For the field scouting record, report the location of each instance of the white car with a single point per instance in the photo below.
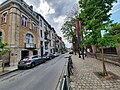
(56, 54)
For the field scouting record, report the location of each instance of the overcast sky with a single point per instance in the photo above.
(55, 11)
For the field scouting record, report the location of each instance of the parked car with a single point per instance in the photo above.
(48, 56)
(71, 52)
(30, 61)
(56, 54)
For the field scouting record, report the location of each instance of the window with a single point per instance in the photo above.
(49, 34)
(45, 26)
(46, 45)
(41, 43)
(1, 35)
(24, 21)
(40, 22)
(33, 26)
(50, 50)
(4, 18)
(29, 38)
(34, 57)
(50, 42)
(41, 33)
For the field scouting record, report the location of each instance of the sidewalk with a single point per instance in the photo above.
(8, 69)
(85, 77)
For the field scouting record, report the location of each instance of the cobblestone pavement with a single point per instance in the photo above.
(84, 77)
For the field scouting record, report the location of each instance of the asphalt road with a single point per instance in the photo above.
(42, 77)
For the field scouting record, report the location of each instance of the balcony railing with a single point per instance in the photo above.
(30, 45)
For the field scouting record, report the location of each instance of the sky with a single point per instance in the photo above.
(56, 11)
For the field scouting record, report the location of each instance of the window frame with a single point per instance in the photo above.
(24, 21)
(29, 38)
(4, 17)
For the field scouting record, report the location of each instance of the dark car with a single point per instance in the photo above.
(30, 61)
(48, 56)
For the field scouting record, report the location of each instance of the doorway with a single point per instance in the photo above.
(24, 54)
(41, 51)
(35, 52)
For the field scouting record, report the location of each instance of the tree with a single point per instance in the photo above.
(69, 32)
(95, 16)
(3, 51)
(115, 31)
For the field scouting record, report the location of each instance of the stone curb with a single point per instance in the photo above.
(8, 72)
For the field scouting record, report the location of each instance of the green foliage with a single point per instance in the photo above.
(115, 29)
(68, 30)
(95, 16)
(107, 40)
(3, 50)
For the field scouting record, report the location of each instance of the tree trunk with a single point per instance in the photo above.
(3, 65)
(93, 48)
(94, 51)
(118, 49)
(105, 73)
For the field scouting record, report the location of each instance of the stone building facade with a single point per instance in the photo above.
(25, 31)
(18, 28)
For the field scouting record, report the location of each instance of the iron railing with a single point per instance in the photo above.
(65, 84)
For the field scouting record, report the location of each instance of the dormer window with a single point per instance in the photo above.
(24, 21)
(45, 26)
(4, 18)
(40, 22)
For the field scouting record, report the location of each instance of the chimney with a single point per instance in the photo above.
(31, 7)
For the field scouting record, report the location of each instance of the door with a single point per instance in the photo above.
(24, 54)
(41, 51)
(35, 52)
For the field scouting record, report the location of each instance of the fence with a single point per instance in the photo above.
(107, 57)
(65, 84)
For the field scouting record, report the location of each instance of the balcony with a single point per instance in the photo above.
(30, 46)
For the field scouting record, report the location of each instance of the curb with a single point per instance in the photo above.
(8, 72)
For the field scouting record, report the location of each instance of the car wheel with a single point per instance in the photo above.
(33, 65)
(20, 68)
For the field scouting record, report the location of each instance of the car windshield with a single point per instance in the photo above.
(26, 57)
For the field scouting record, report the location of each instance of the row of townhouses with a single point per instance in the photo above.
(26, 32)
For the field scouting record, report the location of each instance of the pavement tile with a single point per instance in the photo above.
(85, 78)
(8, 69)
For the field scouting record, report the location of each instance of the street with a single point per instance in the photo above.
(42, 77)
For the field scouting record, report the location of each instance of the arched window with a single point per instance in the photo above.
(29, 38)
